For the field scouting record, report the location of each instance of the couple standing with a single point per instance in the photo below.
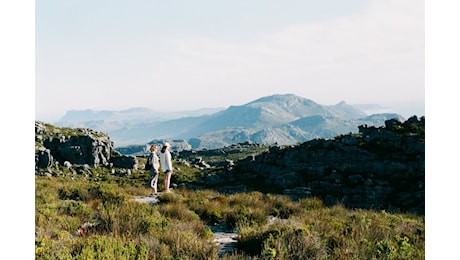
(165, 161)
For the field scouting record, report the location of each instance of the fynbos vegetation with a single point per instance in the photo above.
(87, 212)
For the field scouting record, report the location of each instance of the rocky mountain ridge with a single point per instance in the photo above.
(281, 119)
(378, 167)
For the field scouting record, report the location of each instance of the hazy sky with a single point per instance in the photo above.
(181, 55)
(106, 55)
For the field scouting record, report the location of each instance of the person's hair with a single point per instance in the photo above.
(163, 149)
(153, 146)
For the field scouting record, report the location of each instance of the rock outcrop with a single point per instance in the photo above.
(378, 168)
(82, 149)
(79, 146)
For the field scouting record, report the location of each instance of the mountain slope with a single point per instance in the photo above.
(279, 109)
(282, 119)
(268, 112)
(300, 130)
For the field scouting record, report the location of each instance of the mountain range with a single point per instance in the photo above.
(281, 119)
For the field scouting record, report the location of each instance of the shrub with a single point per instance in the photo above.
(108, 247)
(177, 211)
(283, 206)
(176, 228)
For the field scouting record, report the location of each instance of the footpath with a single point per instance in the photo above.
(225, 239)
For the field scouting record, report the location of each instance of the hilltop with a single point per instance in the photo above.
(278, 119)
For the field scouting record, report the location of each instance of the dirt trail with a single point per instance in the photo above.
(225, 239)
(146, 199)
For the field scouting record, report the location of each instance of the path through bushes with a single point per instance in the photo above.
(225, 239)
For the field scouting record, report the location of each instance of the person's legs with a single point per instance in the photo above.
(153, 182)
(167, 180)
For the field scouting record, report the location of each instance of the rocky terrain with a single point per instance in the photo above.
(378, 167)
(83, 147)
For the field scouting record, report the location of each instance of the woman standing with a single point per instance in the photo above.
(166, 164)
(154, 171)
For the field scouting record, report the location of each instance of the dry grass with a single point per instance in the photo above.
(269, 226)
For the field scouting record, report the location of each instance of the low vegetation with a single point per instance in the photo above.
(92, 215)
(83, 218)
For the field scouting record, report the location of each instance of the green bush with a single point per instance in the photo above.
(108, 247)
(177, 227)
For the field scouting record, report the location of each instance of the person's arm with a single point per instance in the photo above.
(156, 162)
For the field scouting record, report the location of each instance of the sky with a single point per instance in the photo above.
(48, 49)
(185, 55)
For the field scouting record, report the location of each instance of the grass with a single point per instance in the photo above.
(91, 215)
(269, 226)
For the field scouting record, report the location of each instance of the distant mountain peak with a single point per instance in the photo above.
(278, 98)
(284, 118)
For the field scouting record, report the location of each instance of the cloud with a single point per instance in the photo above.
(374, 52)
(374, 55)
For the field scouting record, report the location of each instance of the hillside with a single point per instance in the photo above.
(282, 119)
(354, 196)
(378, 168)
